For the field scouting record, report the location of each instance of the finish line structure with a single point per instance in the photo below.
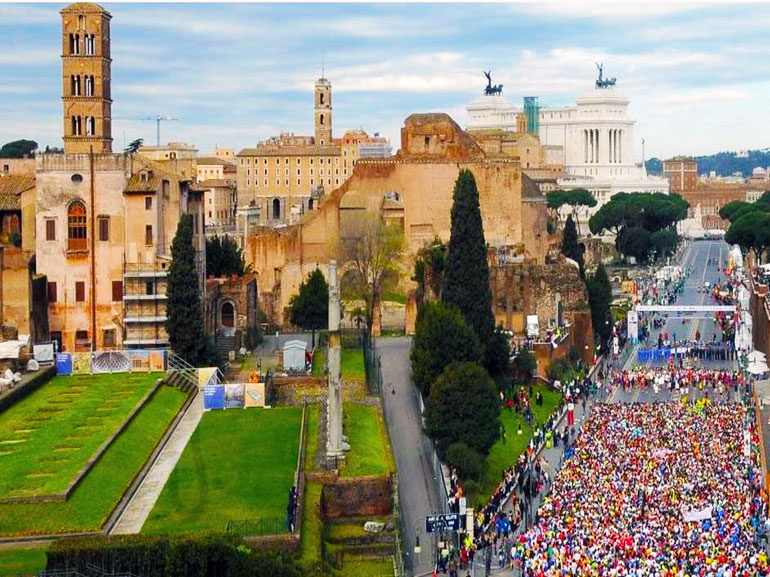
(685, 308)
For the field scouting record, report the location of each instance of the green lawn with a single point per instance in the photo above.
(394, 298)
(312, 433)
(319, 358)
(46, 438)
(504, 455)
(94, 499)
(312, 524)
(353, 365)
(28, 561)
(370, 453)
(239, 465)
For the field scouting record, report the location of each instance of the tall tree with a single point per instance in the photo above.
(223, 257)
(600, 301)
(441, 337)
(183, 308)
(310, 306)
(371, 255)
(18, 149)
(570, 247)
(463, 408)
(466, 276)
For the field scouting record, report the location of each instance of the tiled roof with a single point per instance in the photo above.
(85, 7)
(216, 182)
(136, 184)
(308, 150)
(9, 202)
(16, 184)
(213, 161)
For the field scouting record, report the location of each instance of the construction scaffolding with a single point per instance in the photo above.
(532, 110)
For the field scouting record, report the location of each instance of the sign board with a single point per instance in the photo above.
(463, 505)
(254, 395)
(63, 364)
(234, 396)
(633, 326)
(447, 522)
(213, 397)
(43, 353)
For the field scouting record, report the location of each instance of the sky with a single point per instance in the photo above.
(697, 75)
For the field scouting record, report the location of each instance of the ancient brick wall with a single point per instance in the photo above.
(357, 496)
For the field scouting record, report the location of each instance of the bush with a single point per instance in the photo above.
(469, 464)
(210, 554)
(560, 370)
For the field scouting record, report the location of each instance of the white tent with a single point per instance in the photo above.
(758, 368)
(294, 355)
(743, 337)
(757, 357)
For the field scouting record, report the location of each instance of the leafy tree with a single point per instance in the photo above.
(466, 278)
(18, 149)
(734, 209)
(635, 242)
(441, 337)
(310, 306)
(524, 365)
(498, 356)
(223, 257)
(570, 247)
(463, 408)
(373, 253)
(469, 464)
(649, 211)
(664, 242)
(429, 268)
(600, 301)
(183, 309)
(750, 231)
(577, 199)
(134, 146)
(763, 201)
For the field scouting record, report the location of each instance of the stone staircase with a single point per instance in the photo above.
(226, 344)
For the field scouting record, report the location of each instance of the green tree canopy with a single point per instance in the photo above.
(183, 308)
(18, 149)
(637, 209)
(524, 365)
(134, 146)
(497, 357)
(750, 231)
(733, 209)
(570, 247)
(664, 242)
(223, 257)
(441, 337)
(463, 408)
(310, 306)
(600, 300)
(466, 276)
(635, 242)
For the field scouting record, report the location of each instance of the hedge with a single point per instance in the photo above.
(190, 555)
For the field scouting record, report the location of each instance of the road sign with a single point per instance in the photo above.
(447, 522)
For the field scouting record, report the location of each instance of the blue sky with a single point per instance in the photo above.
(697, 76)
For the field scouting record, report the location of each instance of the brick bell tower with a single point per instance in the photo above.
(323, 112)
(86, 79)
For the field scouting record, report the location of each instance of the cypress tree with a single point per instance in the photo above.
(184, 313)
(570, 247)
(310, 306)
(466, 276)
(600, 301)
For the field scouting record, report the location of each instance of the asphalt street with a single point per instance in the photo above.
(417, 491)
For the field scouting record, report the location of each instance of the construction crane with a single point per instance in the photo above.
(157, 118)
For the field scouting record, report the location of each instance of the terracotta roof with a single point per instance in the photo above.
(85, 7)
(210, 182)
(9, 202)
(213, 161)
(529, 189)
(136, 184)
(15, 184)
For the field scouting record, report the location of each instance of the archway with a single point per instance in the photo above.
(227, 315)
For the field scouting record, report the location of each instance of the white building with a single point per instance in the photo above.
(597, 136)
(594, 139)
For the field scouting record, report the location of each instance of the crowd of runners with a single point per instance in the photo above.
(664, 489)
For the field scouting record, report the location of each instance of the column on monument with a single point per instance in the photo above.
(585, 146)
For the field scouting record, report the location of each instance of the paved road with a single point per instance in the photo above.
(417, 493)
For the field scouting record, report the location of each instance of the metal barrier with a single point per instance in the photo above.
(255, 527)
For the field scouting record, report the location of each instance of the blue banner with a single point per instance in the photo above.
(213, 397)
(63, 364)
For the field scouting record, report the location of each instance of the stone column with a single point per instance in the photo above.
(334, 439)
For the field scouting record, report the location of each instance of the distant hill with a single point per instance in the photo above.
(723, 163)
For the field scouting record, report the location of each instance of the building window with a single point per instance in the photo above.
(299, 182)
(147, 203)
(89, 86)
(51, 292)
(75, 85)
(298, 160)
(117, 291)
(320, 161)
(321, 98)
(77, 126)
(149, 288)
(148, 235)
(299, 172)
(322, 120)
(81, 337)
(104, 228)
(80, 291)
(50, 229)
(278, 161)
(312, 182)
(265, 182)
(287, 172)
(81, 22)
(336, 181)
(74, 44)
(311, 162)
(286, 160)
(90, 126)
(287, 182)
(76, 226)
(108, 336)
(276, 209)
(90, 40)
(278, 182)
(248, 182)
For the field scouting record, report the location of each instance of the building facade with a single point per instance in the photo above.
(285, 176)
(104, 222)
(682, 173)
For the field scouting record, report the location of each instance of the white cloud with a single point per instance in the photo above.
(25, 56)
(620, 10)
(717, 94)
(24, 14)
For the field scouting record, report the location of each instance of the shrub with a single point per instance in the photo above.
(469, 464)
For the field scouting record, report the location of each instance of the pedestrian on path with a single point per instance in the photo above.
(571, 413)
